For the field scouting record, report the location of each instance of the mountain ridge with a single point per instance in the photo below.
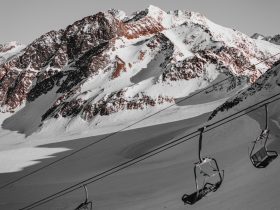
(273, 39)
(109, 62)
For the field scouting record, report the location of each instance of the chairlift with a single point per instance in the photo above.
(86, 205)
(207, 174)
(259, 155)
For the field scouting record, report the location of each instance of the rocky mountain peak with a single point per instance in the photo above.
(109, 62)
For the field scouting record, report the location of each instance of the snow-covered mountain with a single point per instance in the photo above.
(111, 64)
(273, 39)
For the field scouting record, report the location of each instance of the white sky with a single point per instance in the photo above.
(26, 20)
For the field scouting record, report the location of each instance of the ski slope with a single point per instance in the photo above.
(14, 145)
(159, 182)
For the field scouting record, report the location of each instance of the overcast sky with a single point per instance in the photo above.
(25, 20)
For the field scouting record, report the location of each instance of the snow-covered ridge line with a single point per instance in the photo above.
(273, 39)
(266, 86)
(9, 50)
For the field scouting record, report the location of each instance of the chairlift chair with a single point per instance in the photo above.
(259, 155)
(208, 177)
(86, 205)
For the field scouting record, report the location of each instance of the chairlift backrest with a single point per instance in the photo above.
(259, 145)
(85, 206)
(206, 166)
(262, 153)
(207, 171)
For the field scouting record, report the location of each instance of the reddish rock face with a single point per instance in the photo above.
(120, 66)
(143, 27)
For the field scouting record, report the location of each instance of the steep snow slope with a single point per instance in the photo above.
(159, 182)
(265, 87)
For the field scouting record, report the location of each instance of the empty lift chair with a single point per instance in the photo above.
(208, 176)
(86, 205)
(259, 155)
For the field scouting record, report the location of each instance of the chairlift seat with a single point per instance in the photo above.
(262, 157)
(207, 187)
(85, 206)
(196, 196)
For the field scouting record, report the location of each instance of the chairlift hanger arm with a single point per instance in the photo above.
(266, 116)
(86, 203)
(201, 130)
(86, 193)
